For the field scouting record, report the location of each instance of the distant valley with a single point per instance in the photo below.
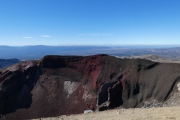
(36, 52)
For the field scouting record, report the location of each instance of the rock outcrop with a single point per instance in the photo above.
(58, 85)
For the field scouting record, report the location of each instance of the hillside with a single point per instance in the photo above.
(155, 58)
(64, 85)
(7, 62)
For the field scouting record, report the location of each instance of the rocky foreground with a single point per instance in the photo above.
(163, 113)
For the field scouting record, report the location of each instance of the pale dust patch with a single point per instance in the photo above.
(70, 87)
(178, 86)
(86, 94)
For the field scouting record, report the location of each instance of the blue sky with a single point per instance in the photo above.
(89, 22)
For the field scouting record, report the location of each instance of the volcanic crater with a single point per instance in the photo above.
(64, 85)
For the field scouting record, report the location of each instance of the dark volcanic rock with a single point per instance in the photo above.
(58, 85)
(139, 82)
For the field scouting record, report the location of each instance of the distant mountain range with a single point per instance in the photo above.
(37, 52)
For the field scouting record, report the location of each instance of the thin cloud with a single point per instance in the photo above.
(46, 36)
(105, 34)
(27, 37)
(82, 34)
(95, 34)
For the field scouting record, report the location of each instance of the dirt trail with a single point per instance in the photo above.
(163, 113)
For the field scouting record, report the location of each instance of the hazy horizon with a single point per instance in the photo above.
(106, 45)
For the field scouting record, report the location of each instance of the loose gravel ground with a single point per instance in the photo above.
(161, 113)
